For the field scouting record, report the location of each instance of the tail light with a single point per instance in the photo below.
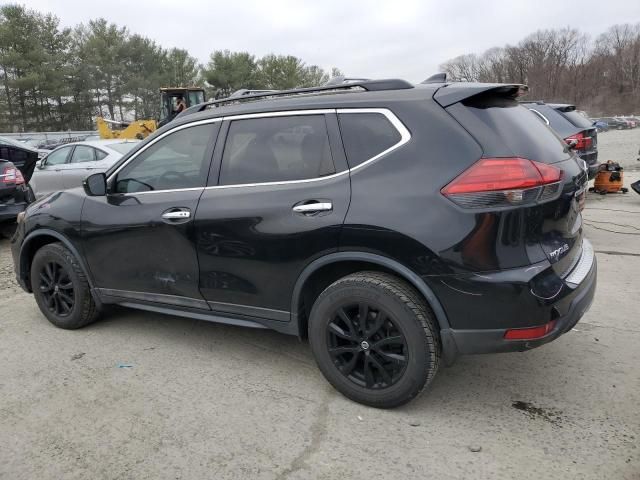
(582, 142)
(504, 182)
(10, 175)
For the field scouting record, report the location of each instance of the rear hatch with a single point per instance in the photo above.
(21, 155)
(506, 129)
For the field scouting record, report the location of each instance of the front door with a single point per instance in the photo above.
(138, 239)
(49, 176)
(280, 202)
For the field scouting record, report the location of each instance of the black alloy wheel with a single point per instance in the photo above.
(367, 346)
(374, 339)
(60, 287)
(56, 287)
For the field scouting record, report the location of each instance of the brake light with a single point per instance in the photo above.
(529, 333)
(582, 141)
(503, 182)
(10, 175)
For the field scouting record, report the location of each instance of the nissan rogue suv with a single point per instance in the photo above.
(396, 226)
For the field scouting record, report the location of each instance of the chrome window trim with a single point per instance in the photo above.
(544, 119)
(405, 136)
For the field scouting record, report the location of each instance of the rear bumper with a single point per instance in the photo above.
(566, 311)
(9, 211)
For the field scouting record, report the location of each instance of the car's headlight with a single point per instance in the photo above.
(20, 217)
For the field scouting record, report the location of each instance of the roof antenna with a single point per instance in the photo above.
(437, 78)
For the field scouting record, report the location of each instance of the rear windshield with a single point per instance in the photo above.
(505, 128)
(122, 147)
(578, 119)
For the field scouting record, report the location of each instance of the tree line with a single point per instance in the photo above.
(600, 75)
(55, 78)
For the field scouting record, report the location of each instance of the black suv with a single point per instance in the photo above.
(394, 225)
(576, 129)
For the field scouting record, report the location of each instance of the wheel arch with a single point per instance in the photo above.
(38, 239)
(383, 263)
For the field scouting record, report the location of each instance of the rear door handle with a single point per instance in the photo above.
(313, 207)
(176, 215)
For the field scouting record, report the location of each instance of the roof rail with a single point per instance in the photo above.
(340, 80)
(368, 85)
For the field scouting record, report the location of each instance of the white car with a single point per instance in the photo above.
(66, 166)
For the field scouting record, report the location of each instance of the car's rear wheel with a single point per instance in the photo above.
(374, 339)
(61, 289)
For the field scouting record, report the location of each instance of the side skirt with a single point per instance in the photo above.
(191, 308)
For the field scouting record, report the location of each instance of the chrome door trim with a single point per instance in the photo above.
(405, 136)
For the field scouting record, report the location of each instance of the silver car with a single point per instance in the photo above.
(66, 166)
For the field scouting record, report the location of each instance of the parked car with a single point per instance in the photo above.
(631, 121)
(66, 166)
(601, 125)
(396, 226)
(17, 162)
(576, 129)
(615, 123)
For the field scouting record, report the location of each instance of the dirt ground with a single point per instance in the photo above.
(145, 396)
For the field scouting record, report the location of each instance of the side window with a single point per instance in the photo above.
(176, 161)
(366, 135)
(59, 156)
(276, 149)
(100, 154)
(82, 154)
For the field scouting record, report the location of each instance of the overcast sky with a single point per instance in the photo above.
(406, 39)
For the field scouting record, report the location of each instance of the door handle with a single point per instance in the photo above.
(176, 215)
(313, 207)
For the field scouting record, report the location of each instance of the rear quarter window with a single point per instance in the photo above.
(503, 127)
(365, 135)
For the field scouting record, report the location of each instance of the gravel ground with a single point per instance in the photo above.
(145, 396)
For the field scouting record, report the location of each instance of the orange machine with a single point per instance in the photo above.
(609, 179)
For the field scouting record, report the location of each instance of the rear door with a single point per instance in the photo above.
(81, 164)
(276, 201)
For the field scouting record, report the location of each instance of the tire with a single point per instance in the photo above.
(61, 289)
(404, 341)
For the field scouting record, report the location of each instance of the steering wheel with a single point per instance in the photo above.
(167, 176)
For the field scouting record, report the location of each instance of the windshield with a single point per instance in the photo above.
(122, 147)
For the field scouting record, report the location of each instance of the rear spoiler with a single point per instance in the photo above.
(459, 91)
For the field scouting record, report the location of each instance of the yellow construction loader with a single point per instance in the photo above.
(139, 129)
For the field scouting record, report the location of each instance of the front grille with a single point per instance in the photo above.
(583, 267)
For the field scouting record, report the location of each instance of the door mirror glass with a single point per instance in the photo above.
(95, 185)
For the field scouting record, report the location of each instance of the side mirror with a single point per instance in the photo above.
(42, 163)
(95, 185)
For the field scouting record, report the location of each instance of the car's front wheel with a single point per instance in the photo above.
(61, 289)
(374, 339)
